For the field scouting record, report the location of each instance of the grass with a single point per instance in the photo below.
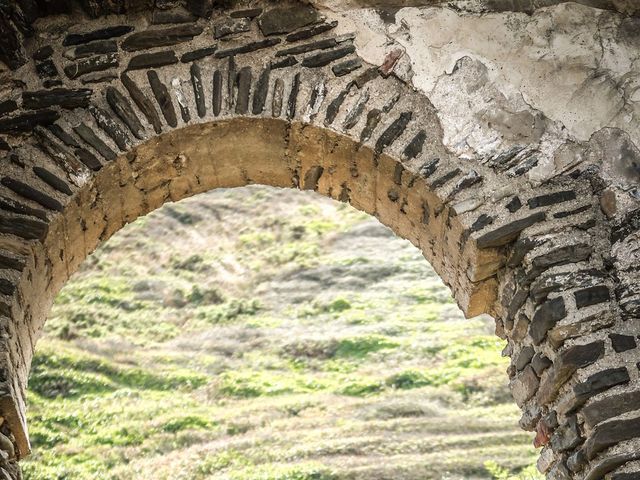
(274, 341)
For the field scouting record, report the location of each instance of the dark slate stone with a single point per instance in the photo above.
(31, 193)
(569, 213)
(316, 99)
(625, 476)
(8, 106)
(514, 205)
(353, 116)
(151, 60)
(163, 98)
(198, 90)
(543, 285)
(201, 8)
(103, 33)
(524, 167)
(46, 69)
(7, 287)
(142, 101)
(470, 179)
(545, 318)
(325, 58)
(198, 54)
(622, 343)
(599, 382)
(292, 102)
(248, 48)
(4, 146)
(52, 180)
(579, 356)
(287, 19)
(15, 159)
(5, 310)
(11, 263)
(63, 136)
(88, 159)
(551, 199)
(333, 109)
(60, 154)
(439, 182)
(308, 47)
(415, 146)
(524, 358)
(99, 8)
(524, 386)
(344, 68)
(520, 250)
(278, 98)
(184, 112)
(26, 228)
(11, 50)
(610, 407)
(217, 93)
(509, 232)
(561, 256)
(60, 97)
(429, 168)
(505, 158)
(373, 120)
(626, 227)
(567, 437)
(163, 37)
(95, 48)
(261, 92)
(10, 205)
(244, 80)
(592, 296)
(111, 128)
(52, 83)
(540, 363)
(246, 13)
(230, 26)
(87, 134)
(393, 132)
(43, 53)
(174, 15)
(568, 363)
(481, 222)
(611, 433)
(93, 64)
(124, 111)
(231, 82)
(100, 77)
(311, 31)
(577, 461)
(284, 63)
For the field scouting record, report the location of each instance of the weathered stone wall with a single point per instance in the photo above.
(503, 145)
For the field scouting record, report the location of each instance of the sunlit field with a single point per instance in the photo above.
(263, 334)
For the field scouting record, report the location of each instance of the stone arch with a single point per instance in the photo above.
(112, 120)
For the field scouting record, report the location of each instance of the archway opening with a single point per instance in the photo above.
(267, 333)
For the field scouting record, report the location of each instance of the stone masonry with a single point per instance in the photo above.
(501, 138)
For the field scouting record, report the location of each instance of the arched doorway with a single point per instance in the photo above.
(289, 103)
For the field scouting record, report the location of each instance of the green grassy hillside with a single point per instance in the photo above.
(262, 334)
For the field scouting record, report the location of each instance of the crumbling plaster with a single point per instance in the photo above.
(564, 80)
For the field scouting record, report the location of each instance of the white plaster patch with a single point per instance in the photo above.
(577, 66)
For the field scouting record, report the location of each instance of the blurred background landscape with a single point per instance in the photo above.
(264, 334)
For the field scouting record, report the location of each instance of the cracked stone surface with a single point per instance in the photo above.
(501, 137)
(565, 79)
